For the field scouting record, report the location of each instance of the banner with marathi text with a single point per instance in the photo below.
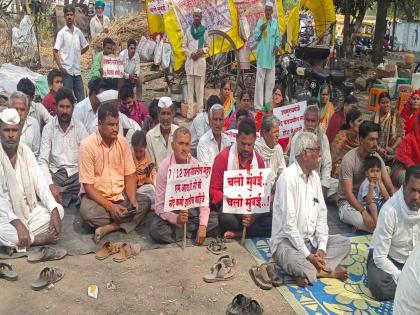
(112, 67)
(291, 118)
(247, 192)
(187, 186)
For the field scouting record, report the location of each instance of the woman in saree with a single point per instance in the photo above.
(410, 111)
(345, 140)
(391, 128)
(245, 102)
(326, 108)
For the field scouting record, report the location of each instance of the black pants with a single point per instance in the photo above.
(162, 231)
(381, 284)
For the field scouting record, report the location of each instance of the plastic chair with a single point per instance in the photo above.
(374, 98)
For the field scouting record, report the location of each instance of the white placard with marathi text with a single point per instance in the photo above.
(247, 192)
(232, 133)
(112, 67)
(158, 7)
(291, 118)
(187, 186)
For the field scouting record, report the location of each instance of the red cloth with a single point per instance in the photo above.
(336, 122)
(408, 119)
(49, 103)
(408, 151)
(219, 167)
(284, 143)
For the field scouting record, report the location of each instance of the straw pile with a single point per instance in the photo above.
(124, 28)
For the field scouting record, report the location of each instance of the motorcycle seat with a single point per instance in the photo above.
(337, 75)
(320, 74)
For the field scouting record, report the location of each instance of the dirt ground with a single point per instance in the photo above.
(161, 281)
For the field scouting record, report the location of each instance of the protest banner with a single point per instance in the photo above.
(291, 118)
(158, 7)
(247, 192)
(187, 186)
(112, 67)
(232, 133)
(216, 13)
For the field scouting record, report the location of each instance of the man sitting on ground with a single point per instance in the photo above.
(86, 111)
(352, 174)
(59, 152)
(30, 132)
(166, 227)
(213, 141)
(395, 236)
(55, 82)
(239, 156)
(159, 139)
(130, 107)
(36, 110)
(299, 242)
(107, 173)
(201, 123)
(24, 220)
(312, 124)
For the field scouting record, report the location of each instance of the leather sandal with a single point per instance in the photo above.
(260, 277)
(127, 251)
(238, 305)
(108, 249)
(8, 272)
(219, 272)
(46, 253)
(273, 274)
(47, 276)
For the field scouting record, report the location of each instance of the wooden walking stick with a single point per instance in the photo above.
(243, 236)
(184, 238)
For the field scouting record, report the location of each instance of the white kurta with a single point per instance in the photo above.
(39, 218)
(157, 146)
(208, 149)
(31, 135)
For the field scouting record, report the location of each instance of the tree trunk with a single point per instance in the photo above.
(408, 10)
(346, 32)
(380, 29)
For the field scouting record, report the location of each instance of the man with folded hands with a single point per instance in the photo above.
(299, 242)
(166, 227)
(107, 176)
(24, 220)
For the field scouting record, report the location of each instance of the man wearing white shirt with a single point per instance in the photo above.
(86, 111)
(311, 124)
(24, 221)
(69, 45)
(201, 124)
(131, 60)
(31, 131)
(214, 140)
(100, 22)
(159, 139)
(299, 240)
(396, 234)
(59, 152)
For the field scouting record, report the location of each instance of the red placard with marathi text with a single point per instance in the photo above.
(247, 192)
(187, 186)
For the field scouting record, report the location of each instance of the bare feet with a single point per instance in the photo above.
(340, 273)
(302, 282)
(46, 238)
(101, 231)
(232, 235)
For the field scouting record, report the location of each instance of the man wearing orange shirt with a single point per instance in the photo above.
(107, 174)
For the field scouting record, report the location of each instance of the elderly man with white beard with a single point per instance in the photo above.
(24, 221)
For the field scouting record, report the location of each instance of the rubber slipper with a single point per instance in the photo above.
(227, 260)
(254, 308)
(47, 276)
(219, 273)
(127, 251)
(214, 248)
(46, 253)
(273, 274)
(238, 305)
(260, 277)
(8, 272)
(108, 249)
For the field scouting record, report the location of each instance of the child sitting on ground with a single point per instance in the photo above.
(55, 82)
(145, 168)
(372, 192)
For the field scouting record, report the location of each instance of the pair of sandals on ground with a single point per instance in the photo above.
(244, 305)
(48, 275)
(121, 251)
(267, 276)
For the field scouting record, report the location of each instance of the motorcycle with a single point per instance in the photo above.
(300, 80)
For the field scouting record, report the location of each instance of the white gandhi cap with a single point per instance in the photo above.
(165, 102)
(108, 95)
(269, 4)
(10, 116)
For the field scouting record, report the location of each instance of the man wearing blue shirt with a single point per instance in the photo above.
(267, 34)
